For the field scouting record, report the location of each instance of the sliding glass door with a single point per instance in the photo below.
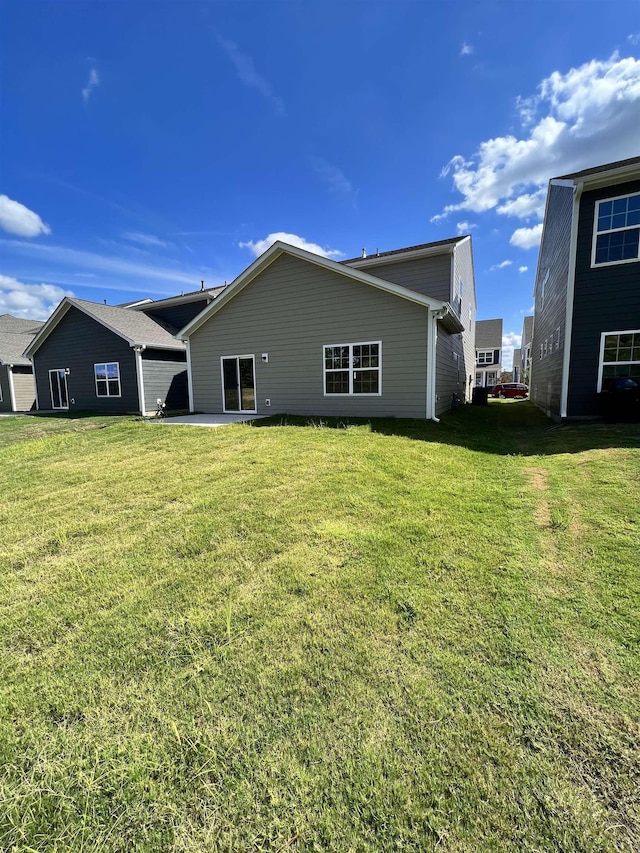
(58, 386)
(238, 384)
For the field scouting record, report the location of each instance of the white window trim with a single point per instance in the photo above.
(596, 233)
(57, 371)
(603, 335)
(351, 369)
(95, 379)
(486, 352)
(253, 411)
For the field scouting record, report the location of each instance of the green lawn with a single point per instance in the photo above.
(320, 636)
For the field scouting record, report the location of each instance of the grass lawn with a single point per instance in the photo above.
(396, 636)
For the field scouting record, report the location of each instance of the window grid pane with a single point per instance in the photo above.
(107, 378)
(617, 231)
(352, 369)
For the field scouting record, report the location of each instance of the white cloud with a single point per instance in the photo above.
(247, 74)
(528, 311)
(466, 49)
(260, 246)
(510, 341)
(522, 269)
(145, 239)
(464, 227)
(633, 38)
(18, 219)
(527, 238)
(93, 81)
(64, 257)
(30, 301)
(582, 118)
(500, 266)
(339, 185)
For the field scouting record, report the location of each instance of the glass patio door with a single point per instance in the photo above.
(238, 384)
(58, 385)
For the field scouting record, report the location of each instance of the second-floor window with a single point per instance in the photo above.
(485, 357)
(616, 237)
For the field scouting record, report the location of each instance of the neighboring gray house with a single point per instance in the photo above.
(17, 391)
(586, 328)
(488, 352)
(177, 311)
(517, 365)
(525, 350)
(94, 357)
(301, 334)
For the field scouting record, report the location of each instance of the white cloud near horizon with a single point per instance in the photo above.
(18, 219)
(527, 238)
(93, 81)
(336, 181)
(510, 341)
(247, 74)
(260, 246)
(500, 266)
(523, 269)
(581, 118)
(29, 301)
(61, 256)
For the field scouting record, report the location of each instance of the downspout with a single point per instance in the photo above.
(189, 376)
(35, 383)
(571, 282)
(140, 376)
(12, 393)
(431, 364)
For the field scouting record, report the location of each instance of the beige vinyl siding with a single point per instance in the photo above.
(24, 389)
(291, 311)
(430, 276)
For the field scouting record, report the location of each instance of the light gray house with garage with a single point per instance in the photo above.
(17, 390)
(94, 357)
(298, 333)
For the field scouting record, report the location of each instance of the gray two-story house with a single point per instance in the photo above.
(586, 328)
(488, 351)
(385, 335)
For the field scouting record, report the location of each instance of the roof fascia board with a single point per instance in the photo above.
(173, 300)
(602, 179)
(272, 254)
(377, 260)
(48, 327)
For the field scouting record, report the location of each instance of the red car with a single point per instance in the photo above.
(510, 389)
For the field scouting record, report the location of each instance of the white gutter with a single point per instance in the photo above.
(432, 335)
(140, 376)
(189, 376)
(571, 280)
(12, 392)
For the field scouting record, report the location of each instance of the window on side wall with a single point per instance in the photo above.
(353, 369)
(107, 378)
(616, 231)
(485, 357)
(619, 357)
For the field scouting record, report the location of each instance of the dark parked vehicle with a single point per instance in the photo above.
(620, 399)
(510, 389)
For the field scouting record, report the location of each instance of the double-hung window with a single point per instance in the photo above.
(353, 368)
(616, 237)
(107, 378)
(619, 356)
(486, 357)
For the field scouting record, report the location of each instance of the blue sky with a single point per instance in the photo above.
(149, 145)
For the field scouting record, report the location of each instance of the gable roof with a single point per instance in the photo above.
(489, 334)
(421, 250)
(12, 347)
(606, 167)
(18, 325)
(136, 328)
(448, 317)
(181, 299)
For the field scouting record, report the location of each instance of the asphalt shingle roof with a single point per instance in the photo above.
(488, 334)
(606, 167)
(132, 325)
(12, 346)
(417, 248)
(19, 326)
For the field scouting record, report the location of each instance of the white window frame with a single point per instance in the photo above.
(481, 359)
(352, 370)
(240, 411)
(601, 361)
(596, 234)
(106, 364)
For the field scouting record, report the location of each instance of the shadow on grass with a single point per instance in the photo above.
(503, 427)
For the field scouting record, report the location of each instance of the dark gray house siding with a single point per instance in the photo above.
(450, 376)
(177, 315)
(606, 299)
(547, 349)
(76, 344)
(165, 378)
(290, 312)
(5, 394)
